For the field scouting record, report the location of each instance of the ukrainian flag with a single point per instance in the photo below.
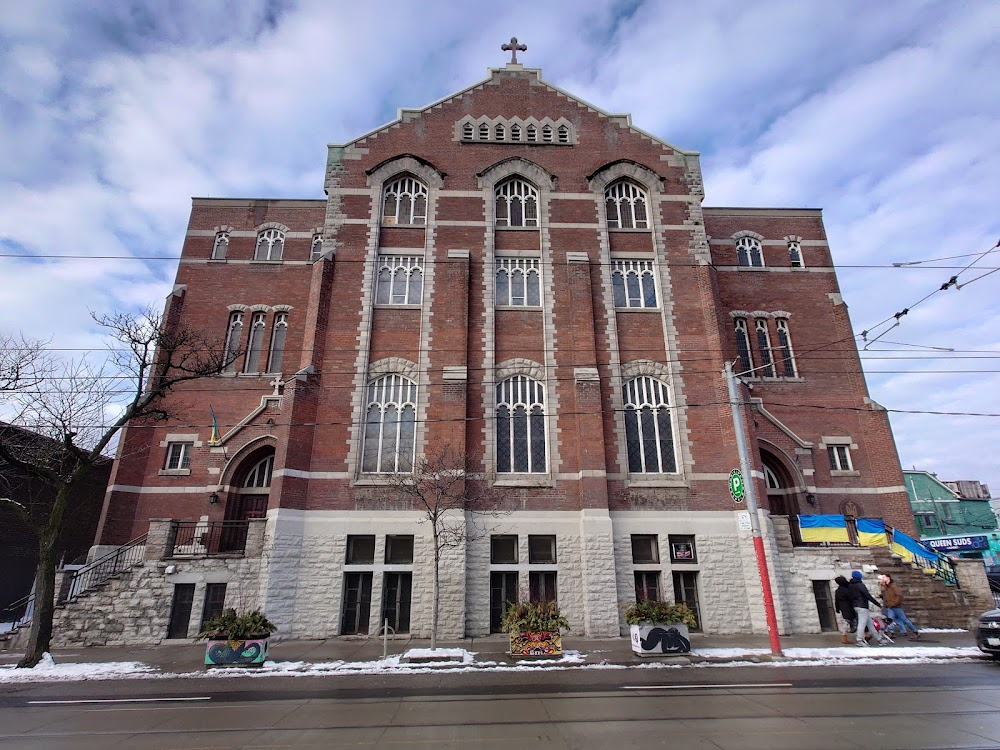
(823, 528)
(213, 439)
(871, 532)
(906, 546)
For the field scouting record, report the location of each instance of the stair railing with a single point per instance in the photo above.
(94, 574)
(938, 564)
(18, 614)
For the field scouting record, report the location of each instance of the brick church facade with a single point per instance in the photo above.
(517, 277)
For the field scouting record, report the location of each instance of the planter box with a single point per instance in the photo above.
(542, 643)
(650, 639)
(220, 652)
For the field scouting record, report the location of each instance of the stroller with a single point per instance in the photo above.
(883, 626)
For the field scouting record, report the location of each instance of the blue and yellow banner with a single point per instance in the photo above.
(907, 547)
(822, 528)
(871, 532)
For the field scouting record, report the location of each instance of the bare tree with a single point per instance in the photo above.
(24, 362)
(441, 488)
(62, 428)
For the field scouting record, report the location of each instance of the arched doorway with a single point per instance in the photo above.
(247, 498)
(782, 494)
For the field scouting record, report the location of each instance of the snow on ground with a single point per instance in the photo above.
(48, 671)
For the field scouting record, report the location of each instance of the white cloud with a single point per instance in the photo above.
(886, 115)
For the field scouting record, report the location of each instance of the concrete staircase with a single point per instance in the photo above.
(929, 602)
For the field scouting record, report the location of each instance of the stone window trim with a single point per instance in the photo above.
(316, 251)
(839, 450)
(396, 166)
(603, 177)
(520, 366)
(513, 166)
(530, 131)
(507, 271)
(393, 366)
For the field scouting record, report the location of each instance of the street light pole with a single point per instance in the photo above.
(750, 494)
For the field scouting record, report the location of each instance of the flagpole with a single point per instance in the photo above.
(751, 498)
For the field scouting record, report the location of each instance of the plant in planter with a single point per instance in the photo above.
(534, 628)
(237, 640)
(659, 627)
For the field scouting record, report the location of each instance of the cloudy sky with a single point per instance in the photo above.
(886, 115)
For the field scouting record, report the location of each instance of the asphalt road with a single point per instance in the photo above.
(943, 705)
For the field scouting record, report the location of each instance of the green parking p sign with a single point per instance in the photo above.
(736, 486)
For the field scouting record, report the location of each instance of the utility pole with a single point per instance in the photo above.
(749, 493)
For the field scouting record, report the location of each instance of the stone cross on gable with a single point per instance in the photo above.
(514, 48)
(276, 384)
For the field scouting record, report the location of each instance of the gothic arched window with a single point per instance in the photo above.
(390, 425)
(648, 434)
(626, 203)
(234, 337)
(404, 201)
(516, 204)
(221, 246)
(743, 346)
(520, 426)
(270, 245)
(749, 252)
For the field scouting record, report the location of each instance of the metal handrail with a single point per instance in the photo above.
(92, 575)
(207, 538)
(25, 606)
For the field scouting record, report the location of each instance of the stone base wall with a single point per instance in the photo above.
(134, 608)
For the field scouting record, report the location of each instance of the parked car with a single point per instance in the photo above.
(988, 633)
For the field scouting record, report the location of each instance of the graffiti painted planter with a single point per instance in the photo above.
(536, 643)
(655, 639)
(251, 652)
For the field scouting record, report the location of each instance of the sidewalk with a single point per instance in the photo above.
(349, 655)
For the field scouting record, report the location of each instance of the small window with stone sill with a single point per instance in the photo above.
(361, 549)
(749, 252)
(178, 456)
(221, 246)
(503, 549)
(541, 549)
(633, 283)
(682, 548)
(840, 458)
(399, 549)
(645, 549)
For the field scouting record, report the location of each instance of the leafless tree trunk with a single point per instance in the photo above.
(441, 489)
(62, 427)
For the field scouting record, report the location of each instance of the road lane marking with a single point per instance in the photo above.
(120, 700)
(707, 687)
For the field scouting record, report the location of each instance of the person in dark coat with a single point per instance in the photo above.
(842, 602)
(860, 599)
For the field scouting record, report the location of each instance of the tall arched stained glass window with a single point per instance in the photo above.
(648, 432)
(520, 426)
(390, 425)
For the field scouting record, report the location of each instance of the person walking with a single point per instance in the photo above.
(892, 598)
(860, 598)
(842, 603)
